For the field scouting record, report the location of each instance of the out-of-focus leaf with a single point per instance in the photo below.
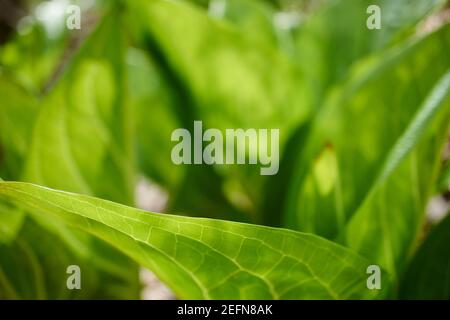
(428, 275)
(18, 109)
(444, 178)
(31, 57)
(156, 106)
(83, 121)
(255, 86)
(253, 17)
(205, 195)
(202, 258)
(331, 38)
(335, 37)
(393, 209)
(352, 137)
(155, 120)
(34, 266)
(11, 220)
(81, 138)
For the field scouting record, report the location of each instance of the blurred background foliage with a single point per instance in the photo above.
(363, 117)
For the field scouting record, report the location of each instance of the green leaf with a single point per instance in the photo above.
(351, 144)
(155, 119)
(348, 162)
(254, 18)
(82, 130)
(81, 141)
(394, 207)
(203, 258)
(249, 73)
(155, 103)
(444, 178)
(428, 275)
(31, 57)
(34, 266)
(17, 115)
(333, 39)
(255, 85)
(11, 220)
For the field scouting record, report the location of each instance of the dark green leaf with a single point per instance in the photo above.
(428, 275)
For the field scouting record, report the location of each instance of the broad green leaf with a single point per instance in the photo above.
(212, 259)
(428, 275)
(34, 266)
(350, 145)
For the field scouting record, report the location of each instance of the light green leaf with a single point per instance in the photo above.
(155, 102)
(11, 220)
(81, 141)
(34, 266)
(18, 111)
(394, 207)
(17, 115)
(30, 57)
(254, 18)
(82, 130)
(333, 39)
(255, 85)
(356, 131)
(202, 258)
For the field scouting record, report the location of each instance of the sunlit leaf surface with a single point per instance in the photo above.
(211, 259)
